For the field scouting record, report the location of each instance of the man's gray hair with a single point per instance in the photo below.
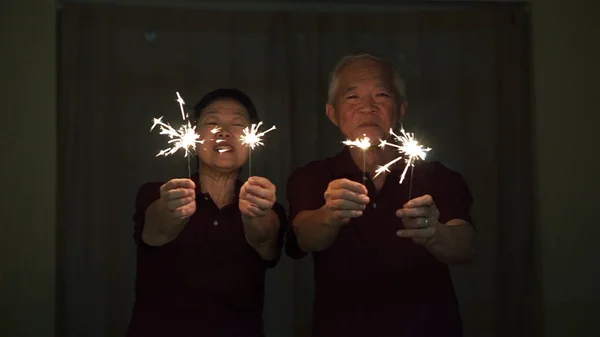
(398, 85)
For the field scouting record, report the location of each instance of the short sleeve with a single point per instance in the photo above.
(283, 228)
(305, 190)
(146, 195)
(452, 195)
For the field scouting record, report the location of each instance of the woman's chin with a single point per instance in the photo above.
(224, 166)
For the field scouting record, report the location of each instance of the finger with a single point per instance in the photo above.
(249, 213)
(178, 183)
(424, 233)
(422, 201)
(179, 193)
(177, 203)
(342, 204)
(249, 209)
(260, 203)
(259, 191)
(183, 212)
(349, 185)
(341, 214)
(348, 195)
(260, 181)
(257, 211)
(416, 223)
(414, 212)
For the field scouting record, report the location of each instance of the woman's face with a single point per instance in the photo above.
(220, 126)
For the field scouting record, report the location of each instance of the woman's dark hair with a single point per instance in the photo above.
(229, 93)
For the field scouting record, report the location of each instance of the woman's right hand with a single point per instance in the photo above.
(178, 199)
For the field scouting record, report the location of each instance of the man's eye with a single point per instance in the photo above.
(383, 94)
(351, 96)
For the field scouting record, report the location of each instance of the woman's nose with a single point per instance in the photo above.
(223, 133)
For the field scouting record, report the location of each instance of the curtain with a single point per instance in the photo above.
(467, 85)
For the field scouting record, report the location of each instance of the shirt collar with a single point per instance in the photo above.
(343, 165)
(196, 179)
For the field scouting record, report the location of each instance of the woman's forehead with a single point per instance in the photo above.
(225, 108)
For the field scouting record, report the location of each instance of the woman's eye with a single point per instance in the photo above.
(383, 94)
(351, 96)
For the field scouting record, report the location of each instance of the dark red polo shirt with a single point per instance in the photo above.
(206, 282)
(370, 282)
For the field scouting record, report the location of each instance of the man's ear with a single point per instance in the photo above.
(330, 110)
(403, 109)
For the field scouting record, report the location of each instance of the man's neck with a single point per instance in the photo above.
(219, 185)
(369, 160)
(374, 157)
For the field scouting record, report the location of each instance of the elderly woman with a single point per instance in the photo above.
(204, 244)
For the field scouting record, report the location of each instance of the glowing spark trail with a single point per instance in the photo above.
(184, 138)
(408, 147)
(363, 144)
(252, 138)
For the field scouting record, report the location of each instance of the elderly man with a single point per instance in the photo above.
(381, 260)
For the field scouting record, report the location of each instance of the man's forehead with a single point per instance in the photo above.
(359, 72)
(356, 85)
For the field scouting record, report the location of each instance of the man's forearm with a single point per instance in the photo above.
(261, 234)
(452, 242)
(312, 232)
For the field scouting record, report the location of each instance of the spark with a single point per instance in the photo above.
(252, 137)
(181, 104)
(409, 147)
(185, 137)
(363, 144)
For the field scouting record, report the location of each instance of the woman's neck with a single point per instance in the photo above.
(219, 185)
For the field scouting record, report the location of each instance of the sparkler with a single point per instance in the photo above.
(252, 138)
(184, 138)
(408, 147)
(363, 144)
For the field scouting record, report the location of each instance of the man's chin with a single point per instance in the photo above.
(372, 131)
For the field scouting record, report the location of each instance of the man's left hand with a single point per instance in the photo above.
(420, 217)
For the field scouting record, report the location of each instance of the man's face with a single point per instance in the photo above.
(366, 104)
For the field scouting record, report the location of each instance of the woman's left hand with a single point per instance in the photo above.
(257, 197)
(420, 217)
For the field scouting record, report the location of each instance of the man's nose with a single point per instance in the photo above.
(368, 106)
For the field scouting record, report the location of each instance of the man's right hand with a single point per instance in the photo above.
(344, 199)
(177, 200)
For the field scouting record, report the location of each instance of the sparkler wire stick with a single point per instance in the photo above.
(252, 138)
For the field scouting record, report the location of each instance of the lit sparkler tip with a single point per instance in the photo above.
(408, 146)
(362, 143)
(252, 137)
(184, 138)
